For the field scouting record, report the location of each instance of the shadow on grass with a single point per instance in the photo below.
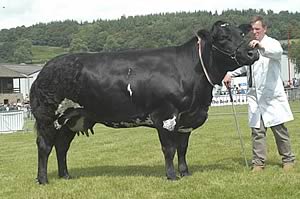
(136, 170)
(225, 164)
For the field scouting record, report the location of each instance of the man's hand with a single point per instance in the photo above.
(227, 80)
(255, 43)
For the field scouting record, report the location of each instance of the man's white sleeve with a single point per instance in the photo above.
(238, 71)
(272, 49)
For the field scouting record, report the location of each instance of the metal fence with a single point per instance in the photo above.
(11, 121)
(293, 93)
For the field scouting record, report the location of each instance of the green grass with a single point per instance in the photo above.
(128, 163)
(42, 54)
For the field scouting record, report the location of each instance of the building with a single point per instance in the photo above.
(15, 82)
(288, 71)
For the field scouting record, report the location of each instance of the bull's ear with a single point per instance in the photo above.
(245, 28)
(204, 34)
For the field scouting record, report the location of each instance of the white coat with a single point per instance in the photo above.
(266, 98)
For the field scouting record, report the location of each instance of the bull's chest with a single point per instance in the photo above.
(197, 112)
(192, 119)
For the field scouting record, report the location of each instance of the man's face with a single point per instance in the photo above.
(258, 30)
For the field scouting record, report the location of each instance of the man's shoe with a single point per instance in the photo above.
(288, 166)
(256, 169)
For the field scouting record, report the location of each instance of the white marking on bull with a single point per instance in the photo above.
(129, 90)
(62, 107)
(65, 104)
(170, 124)
(57, 125)
(225, 24)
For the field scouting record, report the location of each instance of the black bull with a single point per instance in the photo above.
(164, 88)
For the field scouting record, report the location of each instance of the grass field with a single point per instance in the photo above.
(42, 54)
(128, 163)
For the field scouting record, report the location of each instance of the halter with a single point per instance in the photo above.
(202, 63)
(231, 55)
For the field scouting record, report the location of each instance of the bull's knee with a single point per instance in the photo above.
(43, 145)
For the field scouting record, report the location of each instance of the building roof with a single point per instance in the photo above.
(18, 70)
(5, 72)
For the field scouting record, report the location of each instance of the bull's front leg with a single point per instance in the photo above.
(183, 140)
(168, 145)
(62, 145)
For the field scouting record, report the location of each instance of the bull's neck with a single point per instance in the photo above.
(212, 66)
(189, 50)
(203, 89)
(210, 63)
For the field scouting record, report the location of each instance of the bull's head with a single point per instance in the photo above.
(229, 45)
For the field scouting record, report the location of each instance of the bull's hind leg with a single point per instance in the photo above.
(183, 140)
(62, 144)
(169, 145)
(45, 141)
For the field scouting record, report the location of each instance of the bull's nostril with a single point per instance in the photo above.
(253, 54)
(250, 54)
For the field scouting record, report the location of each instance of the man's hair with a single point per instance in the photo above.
(258, 18)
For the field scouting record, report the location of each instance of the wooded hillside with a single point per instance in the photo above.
(150, 31)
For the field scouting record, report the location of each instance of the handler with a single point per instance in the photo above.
(268, 105)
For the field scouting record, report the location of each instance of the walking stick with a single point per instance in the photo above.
(237, 127)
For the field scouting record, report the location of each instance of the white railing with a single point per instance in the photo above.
(11, 121)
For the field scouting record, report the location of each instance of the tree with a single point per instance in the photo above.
(7, 51)
(23, 53)
(112, 43)
(78, 45)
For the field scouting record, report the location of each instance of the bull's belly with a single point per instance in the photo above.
(76, 116)
(184, 124)
(79, 118)
(120, 117)
(138, 121)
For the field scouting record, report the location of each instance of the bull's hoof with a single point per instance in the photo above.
(66, 177)
(41, 181)
(184, 174)
(172, 178)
